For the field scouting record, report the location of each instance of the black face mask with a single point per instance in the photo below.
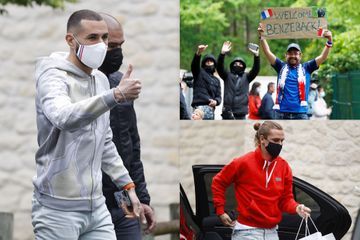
(238, 70)
(273, 149)
(112, 61)
(209, 69)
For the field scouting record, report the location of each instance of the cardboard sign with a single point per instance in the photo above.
(293, 23)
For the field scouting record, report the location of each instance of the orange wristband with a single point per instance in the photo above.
(129, 186)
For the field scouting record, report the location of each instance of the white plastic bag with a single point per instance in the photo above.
(315, 236)
(329, 236)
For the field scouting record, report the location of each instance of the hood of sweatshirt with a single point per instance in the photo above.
(58, 60)
(206, 57)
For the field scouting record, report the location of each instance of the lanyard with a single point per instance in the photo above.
(268, 177)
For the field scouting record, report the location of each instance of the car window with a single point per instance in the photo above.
(302, 197)
(230, 204)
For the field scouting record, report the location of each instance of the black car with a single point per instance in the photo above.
(356, 231)
(328, 214)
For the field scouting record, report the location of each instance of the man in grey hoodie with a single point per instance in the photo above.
(73, 100)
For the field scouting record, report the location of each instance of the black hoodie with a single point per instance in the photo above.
(127, 141)
(206, 85)
(236, 85)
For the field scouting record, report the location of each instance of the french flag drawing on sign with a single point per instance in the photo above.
(266, 13)
(320, 32)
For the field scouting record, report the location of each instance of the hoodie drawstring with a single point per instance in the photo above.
(268, 177)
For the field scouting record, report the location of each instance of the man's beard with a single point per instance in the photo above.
(293, 61)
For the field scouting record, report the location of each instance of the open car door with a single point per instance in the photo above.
(356, 232)
(189, 230)
(328, 214)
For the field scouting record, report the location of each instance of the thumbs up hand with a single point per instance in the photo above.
(128, 88)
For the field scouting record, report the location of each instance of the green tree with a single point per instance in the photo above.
(200, 23)
(29, 3)
(344, 23)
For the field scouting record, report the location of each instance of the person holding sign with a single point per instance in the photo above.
(293, 77)
(207, 88)
(263, 187)
(236, 82)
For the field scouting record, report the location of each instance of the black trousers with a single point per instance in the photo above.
(125, 228)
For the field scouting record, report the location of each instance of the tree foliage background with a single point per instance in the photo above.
(28, 3)
(214, 21)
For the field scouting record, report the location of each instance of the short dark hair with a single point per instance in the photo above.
(269, 85)
(85, 14)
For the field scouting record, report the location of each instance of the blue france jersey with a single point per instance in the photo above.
(291, 99)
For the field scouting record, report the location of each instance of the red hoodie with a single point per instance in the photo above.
(258, 205)
(254, 106)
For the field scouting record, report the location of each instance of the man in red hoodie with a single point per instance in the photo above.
(263, 187)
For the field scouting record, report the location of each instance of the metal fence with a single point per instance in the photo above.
(346, 95)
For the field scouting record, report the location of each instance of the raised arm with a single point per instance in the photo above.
(220, 65)
(324, 54)
(256, 66)
(265, 46)
(195, 64)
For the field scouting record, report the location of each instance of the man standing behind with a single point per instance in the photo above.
(207, 89)
(73, 100)
(267, 103)
(293, 77)
(127, 141)
(236, 82)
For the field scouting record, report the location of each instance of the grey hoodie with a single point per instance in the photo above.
(74, 136)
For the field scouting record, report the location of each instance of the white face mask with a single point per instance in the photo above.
(322, 94)
(92, 55)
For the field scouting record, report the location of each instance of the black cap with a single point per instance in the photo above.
(293, 45)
